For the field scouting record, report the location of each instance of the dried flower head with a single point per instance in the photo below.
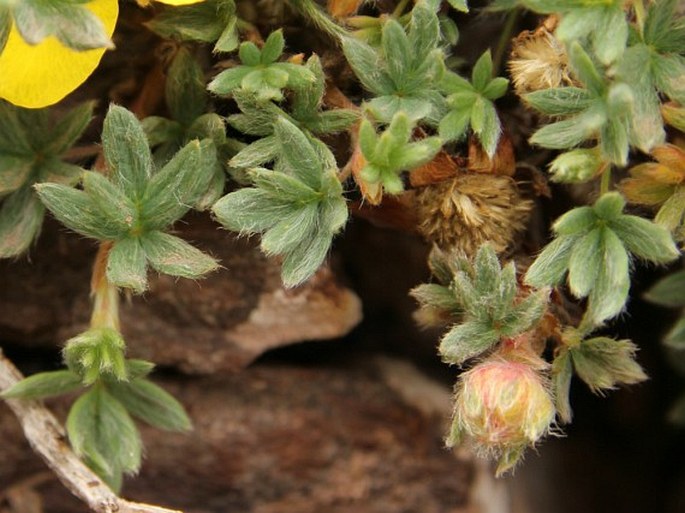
(538, 61)
(503, 405)
(470, 210)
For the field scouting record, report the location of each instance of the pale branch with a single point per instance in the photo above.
(47, 438)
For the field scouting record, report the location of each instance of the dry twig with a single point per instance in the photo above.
(48, 439)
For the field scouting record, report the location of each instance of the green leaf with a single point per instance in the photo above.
(525, 315)
(675, 338)
(77, 211)
(611, 34)
(152, 404)
(205, 22)
(585, 69)
(669, 74)
(15, 170)
(43, 385)
(273, 47)
(424, 34)
(610, 293)
(367, 65)
(482, 72)
(297, 153)
(293, 228)
(570, 132)
(604, 362)
(250, 210)
(577, 221)
(496, 88)
(455, 124)
(584, 264)
(609, 206)
(126, 151)
(549, 267)
(396, 49)
(171, 255)
(70, 128)
(562, 373)
(303, 261)
(437, 296)
(72, 24)
(486, 125)
(178, 185)
(467, 340)
(669, 291)
(185, 88)
(127, 266)
(257, 153)
(115, 208)
(645, 239)
(21, 217)
(101, 431)
(560, 101)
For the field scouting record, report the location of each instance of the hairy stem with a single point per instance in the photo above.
(313, 13)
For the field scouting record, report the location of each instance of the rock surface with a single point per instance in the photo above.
(354, 437)
(220, 323)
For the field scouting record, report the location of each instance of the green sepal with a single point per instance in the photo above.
(97, 353)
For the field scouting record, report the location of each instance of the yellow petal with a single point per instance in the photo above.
(40, 75)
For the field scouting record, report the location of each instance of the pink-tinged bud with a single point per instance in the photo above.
(502, 406)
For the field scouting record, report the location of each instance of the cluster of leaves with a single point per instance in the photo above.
(298, 207)
(113, 389)
(32, 148)
(601, 362)
(304, 110)
(135, 205)
(392, 152)
(593, 245)
(485, 299)
(210, 21)
(471, 103)
(188, 105)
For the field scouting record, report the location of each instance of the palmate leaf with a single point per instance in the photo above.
(484, 297)
(298, 208)
(405, 72)
(31, 145)
(593, 244)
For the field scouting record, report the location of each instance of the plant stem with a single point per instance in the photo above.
(401, 6)
(313, 13)
(105, 295)
(504, 39)
(606, 181)
(640, 14)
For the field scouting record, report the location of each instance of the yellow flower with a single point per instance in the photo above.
(35, 76)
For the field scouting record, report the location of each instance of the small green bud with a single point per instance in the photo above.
(576, 166)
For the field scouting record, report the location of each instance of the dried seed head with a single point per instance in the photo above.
(538, 61)
(464, 213)
(503, 406)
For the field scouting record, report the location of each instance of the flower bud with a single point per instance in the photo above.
(576, 166)
(502, 406)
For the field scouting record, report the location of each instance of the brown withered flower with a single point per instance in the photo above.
(661, 184)
(538, 61)
(471, 209)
